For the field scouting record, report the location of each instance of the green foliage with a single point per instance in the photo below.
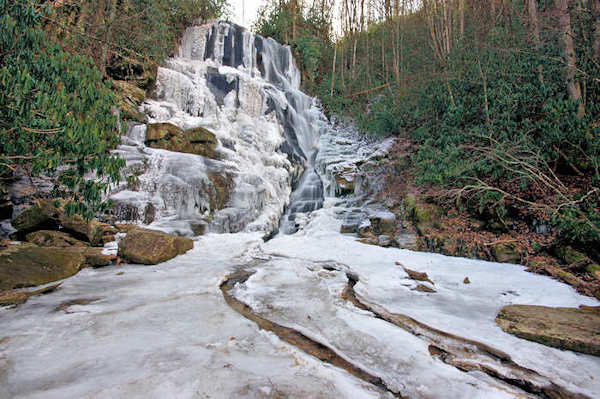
(488, 126)
(55, 111)
(127, 33)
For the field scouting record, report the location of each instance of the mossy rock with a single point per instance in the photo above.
(594, 270)
(506, 253)
(91, 231)
(569, 256)
(564, 328)
(27, 265)
(51, 238)
(42, 216)
(150, 247)
(161, 131)
(166, 136)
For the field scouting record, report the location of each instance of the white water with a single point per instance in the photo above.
(165, 331)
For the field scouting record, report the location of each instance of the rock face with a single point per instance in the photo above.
(149, 247)
(27, 265)
(564, 328)
(169, 137)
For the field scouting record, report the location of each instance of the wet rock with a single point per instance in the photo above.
(51, 238)
(150, 247)
(166, 136)
(49, 215)
(424, 288)
(564, 328)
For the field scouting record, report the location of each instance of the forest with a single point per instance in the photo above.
(497, 101)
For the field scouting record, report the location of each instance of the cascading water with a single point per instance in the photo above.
(245, 89)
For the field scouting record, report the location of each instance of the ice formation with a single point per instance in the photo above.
(245, 89)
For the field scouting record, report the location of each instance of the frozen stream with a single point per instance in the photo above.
(314, 314)
(166, 331)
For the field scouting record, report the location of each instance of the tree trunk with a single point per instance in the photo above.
(564, 22)
(333, 71)
(535, 29)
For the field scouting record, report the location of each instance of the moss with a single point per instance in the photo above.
(569, 256)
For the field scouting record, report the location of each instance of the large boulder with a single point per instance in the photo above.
(150, 247)
(564, 328)
(166, 136)
(27, 265)
(42, 216)
(92, 231)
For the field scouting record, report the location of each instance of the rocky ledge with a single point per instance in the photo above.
(565, 328)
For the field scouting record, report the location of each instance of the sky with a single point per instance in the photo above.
(244, 11)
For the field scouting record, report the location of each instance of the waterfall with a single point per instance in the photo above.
(244, 89)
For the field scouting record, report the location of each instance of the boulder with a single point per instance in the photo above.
(43, 215)
(49, 215)
(26, 265)
(166, 136)
(91, 231)
(564, 328)
(51, 238)
(383, 222)
(506, 253)
(150, 247)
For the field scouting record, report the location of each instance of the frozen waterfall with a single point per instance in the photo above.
(245, 89)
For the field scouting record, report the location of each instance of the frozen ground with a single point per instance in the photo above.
(166, 331)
